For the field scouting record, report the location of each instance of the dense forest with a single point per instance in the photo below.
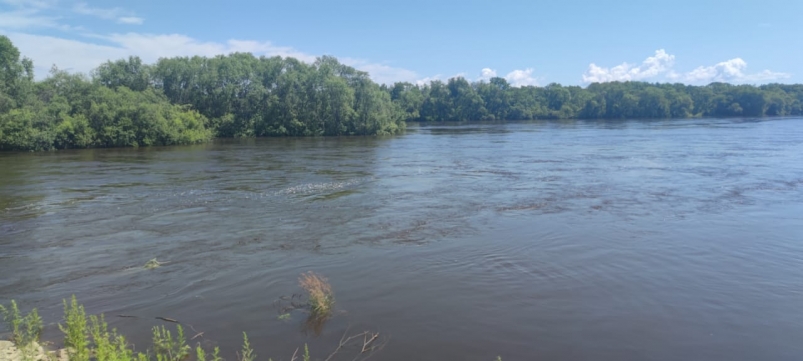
(458, 100)
(185, 100)
(126, 103)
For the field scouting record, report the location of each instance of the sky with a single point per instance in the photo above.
(571, 42)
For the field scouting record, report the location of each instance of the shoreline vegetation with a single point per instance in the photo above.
(88, 338)
(186, 100)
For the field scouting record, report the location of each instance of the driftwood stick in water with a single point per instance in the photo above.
(166, 319)
(366, 343)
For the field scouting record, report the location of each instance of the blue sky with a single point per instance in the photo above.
(571, 42)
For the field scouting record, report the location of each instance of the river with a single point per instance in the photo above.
(553, 240)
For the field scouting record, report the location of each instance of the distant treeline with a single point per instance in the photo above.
(127, 103)
(459, 100)
(186, 100)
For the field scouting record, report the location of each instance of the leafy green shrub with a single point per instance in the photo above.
(24, 330)
(75, 331)
(168, 348)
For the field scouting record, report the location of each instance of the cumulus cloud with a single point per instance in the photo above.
(660, 67)
(732, 71)
(516, 78)
(487, 74)
(519, 78)
(655, 65)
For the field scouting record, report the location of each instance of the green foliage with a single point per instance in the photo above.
(75, 331)
(185, 100)
(109, 346)
(458, 100)
(306, 353)
(247, 353)
(25, 330)
(168, 348)
(200, 354)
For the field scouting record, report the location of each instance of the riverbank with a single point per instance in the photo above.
(10, 352)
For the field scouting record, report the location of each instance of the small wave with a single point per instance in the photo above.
(312, 188)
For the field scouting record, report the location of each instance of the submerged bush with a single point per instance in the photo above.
(321, 298)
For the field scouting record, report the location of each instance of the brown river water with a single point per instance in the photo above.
(573, 240)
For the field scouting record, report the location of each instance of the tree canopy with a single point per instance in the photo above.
(457, 100)
(185, 100)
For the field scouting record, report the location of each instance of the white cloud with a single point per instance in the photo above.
(25, 19)
(427, 80)
(380, 73)
(516, 78)
(36, 4)
(487, 74)
(731, 71)
(655, 65)
(659, 67)
(121, 15)
(85, 9)
(83, 56)
(131, 20)
(519, 78)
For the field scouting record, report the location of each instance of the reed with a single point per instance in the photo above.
(321, 299)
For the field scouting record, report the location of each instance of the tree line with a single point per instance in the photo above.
(459, 100)
(184, 100)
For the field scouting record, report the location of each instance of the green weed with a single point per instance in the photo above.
(247, 352)
(75, 331)
(25, 330)
(109, 346)
(168, 348)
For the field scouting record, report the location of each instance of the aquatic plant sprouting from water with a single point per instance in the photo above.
(153, 264)
(321, 299)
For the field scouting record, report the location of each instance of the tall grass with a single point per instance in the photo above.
(321, 298)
